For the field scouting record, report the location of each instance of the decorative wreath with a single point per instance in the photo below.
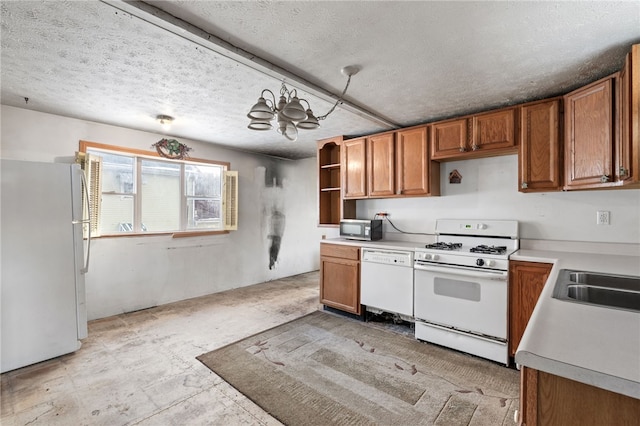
(171, 148)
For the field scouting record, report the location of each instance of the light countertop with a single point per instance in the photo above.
(381, 244)
(594, 345)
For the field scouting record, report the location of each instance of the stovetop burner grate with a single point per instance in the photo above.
(489, 249)
(444, 246)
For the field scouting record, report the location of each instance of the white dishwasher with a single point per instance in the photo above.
(386, 281)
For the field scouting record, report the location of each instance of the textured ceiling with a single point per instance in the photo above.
(206, 62)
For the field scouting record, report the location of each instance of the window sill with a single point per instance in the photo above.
(184, 234)
(181, 234)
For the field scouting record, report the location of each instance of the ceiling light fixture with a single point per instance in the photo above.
(290, 113)
(165, 121)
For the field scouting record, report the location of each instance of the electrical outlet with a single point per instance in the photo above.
(602, 217)
(383, 214)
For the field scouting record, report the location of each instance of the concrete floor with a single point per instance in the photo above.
(140, 368)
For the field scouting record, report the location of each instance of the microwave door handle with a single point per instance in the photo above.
(486, 274)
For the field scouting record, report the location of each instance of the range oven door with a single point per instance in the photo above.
(468, 300)
(462, 309)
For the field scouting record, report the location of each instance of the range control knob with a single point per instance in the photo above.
(430, 256)
(479, 262)
(489, 263)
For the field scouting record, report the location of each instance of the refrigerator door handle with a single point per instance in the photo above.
(85, 221)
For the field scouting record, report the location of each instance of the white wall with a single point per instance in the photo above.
(130, 273)
(489, 190)
(138, 272)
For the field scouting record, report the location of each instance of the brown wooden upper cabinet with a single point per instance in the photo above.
(600, 147)
(628, 150)
(395, 164)
(479, 135)
(415, 173)
(381, 165)
(354, 163)
(331, 205)
(540, 165)
(587, 139)
(590, 135)
(602, 130)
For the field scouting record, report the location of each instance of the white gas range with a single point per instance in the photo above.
(461, 286)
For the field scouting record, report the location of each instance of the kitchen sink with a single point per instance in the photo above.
(606, 280)
(594, 288)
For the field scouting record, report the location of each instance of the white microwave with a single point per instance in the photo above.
(361, 229)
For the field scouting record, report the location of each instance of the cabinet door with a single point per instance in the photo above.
(448, 138)
(381, 165)
(528, 407)
(526, 280)
(354, 164)
(628, 143)
(494, 130)
(623, 151)
(547, 399)
(412, 162)
(340, 284)
(540, 148)
(589, 138)
(633, 142)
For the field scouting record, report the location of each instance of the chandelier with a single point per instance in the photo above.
(290, 114)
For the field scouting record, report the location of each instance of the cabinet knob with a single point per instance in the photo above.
(475, 147)
(524, 185)
(623, 172)
(604, 179)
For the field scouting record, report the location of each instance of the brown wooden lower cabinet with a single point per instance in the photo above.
(340, 277)
(526, 280)
(547, 399)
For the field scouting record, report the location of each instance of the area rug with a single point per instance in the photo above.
(325, 369)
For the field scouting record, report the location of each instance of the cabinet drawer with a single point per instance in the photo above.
(338, 250)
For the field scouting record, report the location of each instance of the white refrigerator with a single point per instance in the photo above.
(43, 313)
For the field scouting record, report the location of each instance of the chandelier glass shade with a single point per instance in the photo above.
(289, 112)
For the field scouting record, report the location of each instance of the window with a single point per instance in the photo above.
(139, 192)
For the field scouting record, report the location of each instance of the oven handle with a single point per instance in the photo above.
(486, 274)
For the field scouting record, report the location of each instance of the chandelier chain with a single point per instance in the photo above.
(284, 90)
(339, 101)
